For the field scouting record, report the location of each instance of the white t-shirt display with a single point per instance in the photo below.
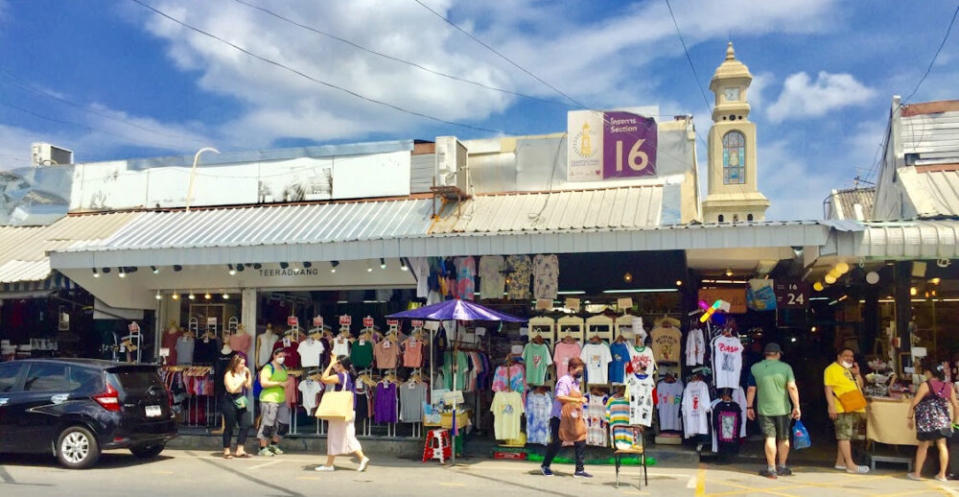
(264, 348)
(310, 351)
(639, 393)
(727, 361)
(597, 358)
(696, 405)
(341, 346)
(642, 363)
(670, 397)
(310, 389)
(695, 347)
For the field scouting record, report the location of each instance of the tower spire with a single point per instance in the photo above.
(730, 52)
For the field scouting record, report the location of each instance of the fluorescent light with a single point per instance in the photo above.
(642, 290)
(818, 298)
(571, 292)
(737, 282)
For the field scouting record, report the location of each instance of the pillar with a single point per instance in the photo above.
(248, 318)
(870, 319)
(903, 277)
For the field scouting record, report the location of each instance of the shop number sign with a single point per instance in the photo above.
(292, 321)
(318, 322)
(346, 320)
(367, 322)
(792, 294)
(416, 323)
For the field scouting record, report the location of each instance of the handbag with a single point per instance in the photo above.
(239, 401)
(932, 415)
(852, 401)
(336, 406)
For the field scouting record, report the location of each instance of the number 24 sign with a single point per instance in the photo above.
(792, 294)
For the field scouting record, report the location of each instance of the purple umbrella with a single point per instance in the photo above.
(459, 310)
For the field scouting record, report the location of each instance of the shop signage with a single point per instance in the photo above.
(292, 321)
(346, 320)
(610, 145)
(367, 322)
(572, 303)
(544, 304)
(318, 321)
(792, 294)
(624, 303)
(735, 296)
(211, 321)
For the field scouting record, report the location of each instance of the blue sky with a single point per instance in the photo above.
(139, 85)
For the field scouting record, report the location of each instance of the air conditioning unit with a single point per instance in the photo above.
(45, 154)
(452, 166)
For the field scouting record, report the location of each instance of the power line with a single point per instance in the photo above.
(26, 86)
(499, 54)
(307, 76)
(688, 58)
(392, 57)
(934, 57)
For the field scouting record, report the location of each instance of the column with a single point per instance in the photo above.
(903, 280)
(248, 318)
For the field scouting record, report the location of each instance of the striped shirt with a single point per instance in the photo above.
(617, 415)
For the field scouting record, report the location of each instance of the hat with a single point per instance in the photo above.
(772, 348)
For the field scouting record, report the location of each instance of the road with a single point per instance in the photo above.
(190, 473)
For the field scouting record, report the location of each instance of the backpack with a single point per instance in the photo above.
(257, 388)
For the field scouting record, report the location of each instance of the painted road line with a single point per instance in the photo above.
(271, 463)
(700, 481)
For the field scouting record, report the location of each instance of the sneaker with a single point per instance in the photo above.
(363, 464)
(860, 470)
(784, 471)
(324, 469)
(582, 474)
(546, 471)
(265, 452)
(944, 480)
(768, 474)
(840, 467)
(275, 450)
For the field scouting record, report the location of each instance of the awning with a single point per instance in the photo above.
(900, 240)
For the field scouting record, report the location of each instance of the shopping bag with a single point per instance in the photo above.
(336, 406)
(801, 438)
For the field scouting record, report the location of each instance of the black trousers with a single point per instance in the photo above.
(555, 444)
(233, 416)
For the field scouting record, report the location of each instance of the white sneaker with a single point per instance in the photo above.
(363, 464)
(324, 469)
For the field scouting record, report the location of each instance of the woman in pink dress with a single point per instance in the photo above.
(341, 435)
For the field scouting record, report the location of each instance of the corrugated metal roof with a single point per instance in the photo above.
(933, 193)
(271, 225)
(605, 209)
(907, 240)
(932, 134)
(853, 204)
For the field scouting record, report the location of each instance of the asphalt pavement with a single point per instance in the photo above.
(190, 473)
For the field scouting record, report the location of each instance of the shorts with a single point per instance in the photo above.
(775, 427)
(847, 425)
(272, 416)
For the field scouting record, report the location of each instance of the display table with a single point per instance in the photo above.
(886, 422)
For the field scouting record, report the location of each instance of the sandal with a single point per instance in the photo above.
(244, 455)
(227, 456)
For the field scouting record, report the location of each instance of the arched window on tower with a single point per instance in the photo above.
(734, 158)
(721, 218)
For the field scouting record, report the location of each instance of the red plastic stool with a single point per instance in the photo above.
(437, 446)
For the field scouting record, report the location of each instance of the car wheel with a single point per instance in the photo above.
(147, 451)
(77, 448)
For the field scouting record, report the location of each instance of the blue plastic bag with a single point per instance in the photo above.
(801, 438)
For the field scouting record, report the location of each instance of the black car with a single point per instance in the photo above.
(76, 408)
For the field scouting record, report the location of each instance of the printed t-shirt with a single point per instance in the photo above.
(619, 353)
(727, 361)
(597, 358)
(841, 381)
(537, 359)
(665, 343)
(771, 378)
(507, 408)
(562, 354)
(492, 276)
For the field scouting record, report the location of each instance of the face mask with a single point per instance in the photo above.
(280, 360)
(846, 364)
(578, 375)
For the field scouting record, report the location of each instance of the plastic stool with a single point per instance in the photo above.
(437, 446)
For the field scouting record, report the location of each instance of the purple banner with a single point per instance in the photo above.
(629, 145)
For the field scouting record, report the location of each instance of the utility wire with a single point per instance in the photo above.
(27, 86)
(688, 58)
(392, 57)
(934, 57)
(311, 78)
(501, 55)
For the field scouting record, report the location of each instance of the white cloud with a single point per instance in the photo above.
(803, 98)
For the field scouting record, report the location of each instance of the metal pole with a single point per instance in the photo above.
(196, 159)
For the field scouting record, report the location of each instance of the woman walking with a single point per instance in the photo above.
(236, 380)
(931, 412)
(341, 435)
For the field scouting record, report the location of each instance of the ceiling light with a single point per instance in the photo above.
(872, 277)
(284, 265)
(642, 290)
(177, 268)
(191, 296)
(106, 270)
(333, 265)
(226, 296)
(403, 266)
(829, 279)
(158, 296)
(207, 296)
(679, 282)
(935, 281)
(240, 267)
(175, 296)
(382, 263)
(307, 264)
(369, 267)
(813, 329)
(155, 269)
(95, 273)
(628, 277)
(913, 291)
(729, 273)
(257, 266)
(842, 267)
(121, 273)
(818, 286)
(232, 270)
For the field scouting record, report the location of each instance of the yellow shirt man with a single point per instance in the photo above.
(841, 381)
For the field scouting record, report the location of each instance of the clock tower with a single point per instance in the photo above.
(733, 195)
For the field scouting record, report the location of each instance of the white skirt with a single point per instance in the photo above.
(341, 438)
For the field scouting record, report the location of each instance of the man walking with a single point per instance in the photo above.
(274, 414)
(843, 381)
(775, 389)
(567, 392)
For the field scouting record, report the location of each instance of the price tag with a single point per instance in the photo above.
(318, 322)
(367, 322)
(572, 303)
(346, 320)
(544, 304)
(393, 322)
(624, 303)
(164, 352)
(292, 321)
(211, 321)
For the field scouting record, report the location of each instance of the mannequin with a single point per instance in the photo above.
(264, 346)
(169, 342)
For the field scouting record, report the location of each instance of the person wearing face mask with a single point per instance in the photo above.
(567, 391)
(274, 414)
(846, 406)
